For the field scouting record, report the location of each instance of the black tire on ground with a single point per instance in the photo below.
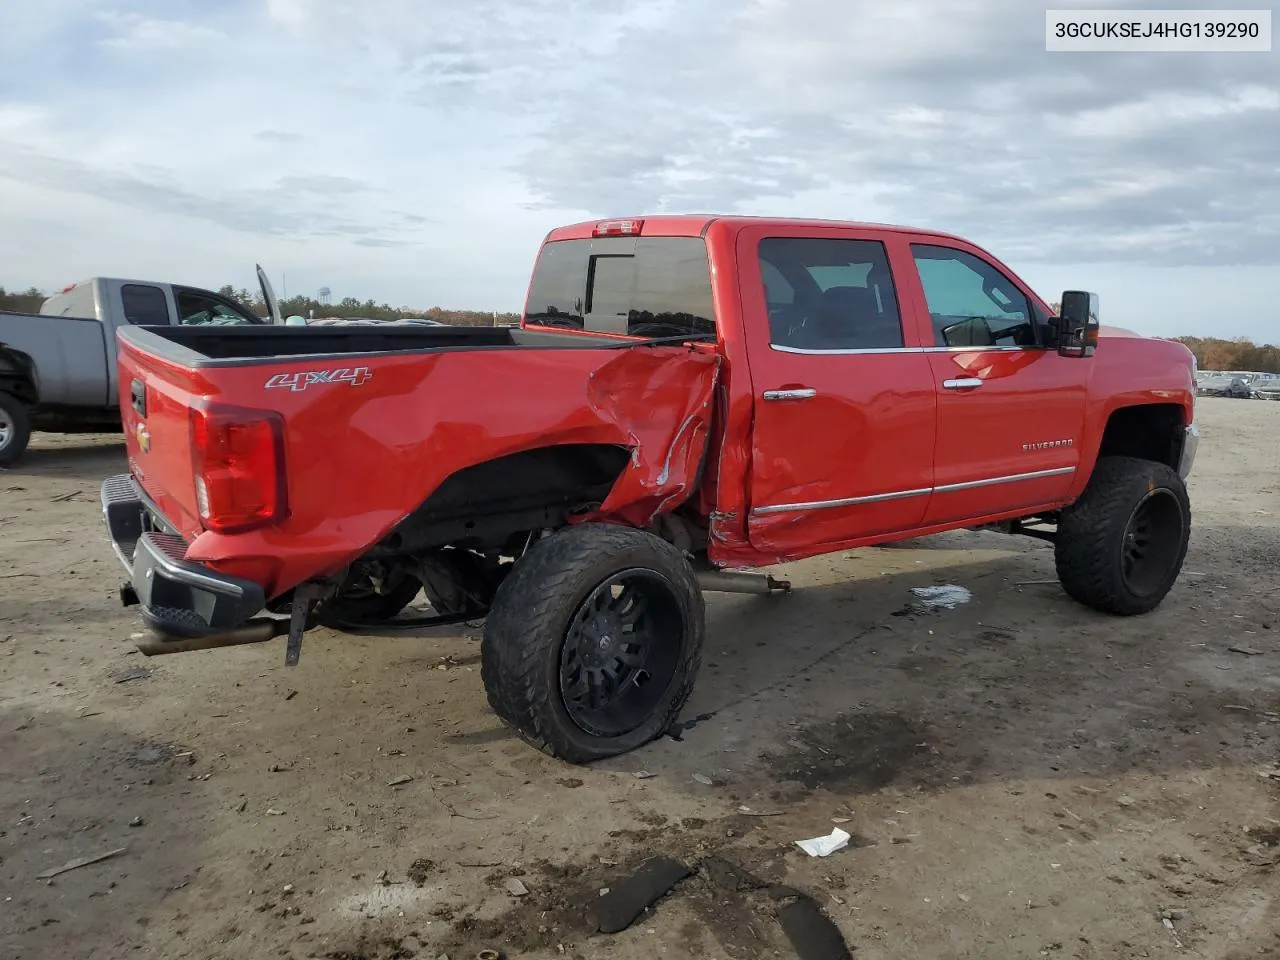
(15, 429)
(359, 601)
(1121, 546)
(594, 641)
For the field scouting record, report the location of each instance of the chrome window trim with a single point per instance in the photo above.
(906, 494)
(871, 351)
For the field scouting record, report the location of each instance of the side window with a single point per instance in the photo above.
(671, 296)
(971, 303)
(144, 305)
(838, 294)
(197, 309)
(557, 286)
(777, 292)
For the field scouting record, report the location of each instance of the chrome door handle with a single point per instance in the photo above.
(964, 383)
(800, 393)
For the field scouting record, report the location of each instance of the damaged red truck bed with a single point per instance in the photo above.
(684, 394)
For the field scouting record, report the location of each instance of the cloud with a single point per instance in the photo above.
(423, 150)
(136, 33)
(949, 117)
(292, 206)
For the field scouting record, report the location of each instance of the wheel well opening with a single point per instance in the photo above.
(483, 506)
(1149, 432)
(16, 375)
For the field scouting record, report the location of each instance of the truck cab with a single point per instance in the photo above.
(878, 379)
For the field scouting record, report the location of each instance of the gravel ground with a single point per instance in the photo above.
(1022, 777)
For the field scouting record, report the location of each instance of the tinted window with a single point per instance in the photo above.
(144, 305)
(829, 294)
(971, 303)
(647, 287)
(196, 309)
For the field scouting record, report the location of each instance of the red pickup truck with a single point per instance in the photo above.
(685, 397)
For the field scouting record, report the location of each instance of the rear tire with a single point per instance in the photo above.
(15, 429)
(1120, 547)
(594, 641)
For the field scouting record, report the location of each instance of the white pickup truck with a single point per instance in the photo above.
(58, 366)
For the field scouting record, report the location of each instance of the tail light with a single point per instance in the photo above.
(618, 228)
(238, 460)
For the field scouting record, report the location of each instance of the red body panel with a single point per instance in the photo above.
(883, 451)
(359, 459)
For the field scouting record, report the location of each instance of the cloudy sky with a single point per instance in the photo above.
(416, 151)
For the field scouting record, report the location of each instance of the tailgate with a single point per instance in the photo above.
(156, 397)
(206, 463)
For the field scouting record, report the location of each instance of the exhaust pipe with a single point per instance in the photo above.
(721, 581)
(154, 643)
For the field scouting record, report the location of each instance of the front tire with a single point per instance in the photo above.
(594, 641)
(1120, 547)
(15, 429)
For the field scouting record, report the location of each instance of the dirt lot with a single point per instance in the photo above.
(1022, 777)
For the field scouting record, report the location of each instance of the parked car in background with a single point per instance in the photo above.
(1225, 385)
(1267, 387)
(58, 366)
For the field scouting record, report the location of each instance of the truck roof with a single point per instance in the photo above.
(696, 224)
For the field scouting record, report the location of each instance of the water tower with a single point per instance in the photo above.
(324, 294)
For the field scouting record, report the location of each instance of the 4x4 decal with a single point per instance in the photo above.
(298, 382)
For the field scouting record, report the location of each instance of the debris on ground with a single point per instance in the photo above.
(400, 781)
(811, 932)
(1247, 651)
(946, 596)
(133, 673)
(81, 862)
(629, 897)
(837, 839)
(515, 886)
(419, 870)
(703, 779)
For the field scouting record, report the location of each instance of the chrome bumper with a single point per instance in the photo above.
(1190, 443)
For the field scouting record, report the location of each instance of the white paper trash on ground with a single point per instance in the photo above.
(837, 839)
(945, 597)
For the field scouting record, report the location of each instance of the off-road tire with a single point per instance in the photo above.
(19, 415)
(1090, 543)
(526, 628)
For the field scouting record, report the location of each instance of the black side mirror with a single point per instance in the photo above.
(1078, 324)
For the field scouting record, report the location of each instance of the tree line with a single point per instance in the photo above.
(351, 307)
(1212, 353)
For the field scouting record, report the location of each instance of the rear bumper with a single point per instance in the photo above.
(1190, 444)
(179, 599)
